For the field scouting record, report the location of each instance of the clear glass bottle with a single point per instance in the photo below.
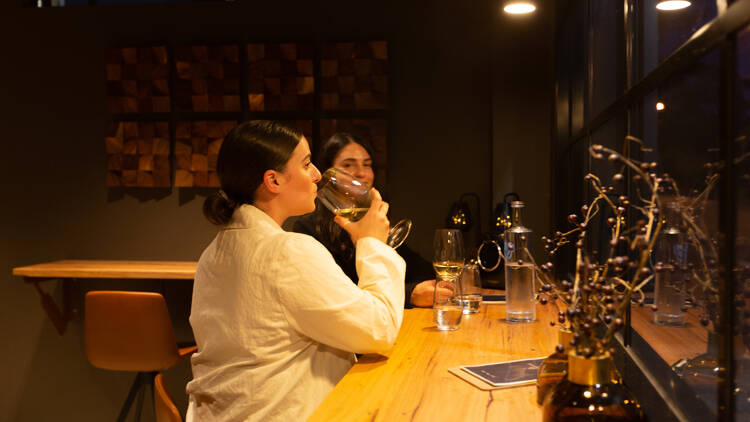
(520, 301)
(670, 270)
(553, 369)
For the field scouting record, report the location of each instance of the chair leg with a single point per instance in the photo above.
(139, 406)
(139, 388)
(137, 384)
(151, 382)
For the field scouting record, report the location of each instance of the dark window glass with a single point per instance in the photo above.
(680, 131)
(603, 41)
(666, 30)
(742, 243)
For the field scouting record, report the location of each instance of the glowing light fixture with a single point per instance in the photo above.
(659, 106)
(672, 4)
(519, 7)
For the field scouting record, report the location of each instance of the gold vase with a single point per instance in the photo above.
(591, 392)
(554, 367)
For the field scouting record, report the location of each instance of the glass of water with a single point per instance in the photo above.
(471, 288)
(448, 262)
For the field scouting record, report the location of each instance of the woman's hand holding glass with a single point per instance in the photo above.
(424, 294)
(374, 223)
(350, 198)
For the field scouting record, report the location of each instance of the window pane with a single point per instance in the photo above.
(678, 321)
(742, 251)
(666, 30)
(604, 52)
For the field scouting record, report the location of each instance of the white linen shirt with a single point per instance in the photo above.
(277, 322)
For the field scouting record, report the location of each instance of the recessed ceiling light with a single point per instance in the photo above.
(519, 7)
(672, 4)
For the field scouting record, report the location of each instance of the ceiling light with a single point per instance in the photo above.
(672, 4)
(519, 7)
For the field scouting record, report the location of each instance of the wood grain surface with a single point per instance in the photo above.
(671, 343)
(414, 384)
(109, 269)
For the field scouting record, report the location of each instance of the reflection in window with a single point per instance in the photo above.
(666, 30)
(681, 120)
(604, 16)
(681, 132)
(742, 243)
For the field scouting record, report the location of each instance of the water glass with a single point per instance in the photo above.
(447, 308)
(471, 289)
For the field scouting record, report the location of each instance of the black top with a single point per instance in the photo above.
(417, 268)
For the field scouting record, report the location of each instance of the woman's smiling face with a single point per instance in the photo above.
(354, 159)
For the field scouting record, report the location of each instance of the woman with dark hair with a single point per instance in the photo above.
(354, 155)
(276, 321)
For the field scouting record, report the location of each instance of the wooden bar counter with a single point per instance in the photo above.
(159, 270)
(414, 384)
(70, 270)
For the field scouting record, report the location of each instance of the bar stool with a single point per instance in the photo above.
(131, 331)
(166, 411)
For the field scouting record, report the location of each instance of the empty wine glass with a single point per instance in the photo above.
(448, 261)
(349, 198)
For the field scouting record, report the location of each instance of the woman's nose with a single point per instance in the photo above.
(359, 172)
(316, 174)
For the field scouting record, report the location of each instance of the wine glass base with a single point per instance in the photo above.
(398, 233)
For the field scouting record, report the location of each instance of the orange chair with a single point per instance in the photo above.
(166, 411)
(131, 331)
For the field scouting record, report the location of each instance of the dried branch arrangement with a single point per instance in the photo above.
(604, 285)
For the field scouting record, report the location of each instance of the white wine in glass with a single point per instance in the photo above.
(448, 261)
(352, 214)
(349, 198)
(448, 269)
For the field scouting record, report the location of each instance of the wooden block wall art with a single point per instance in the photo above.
(280, 77)
(208, 78)
(373, 130)
(138, 154)
(354, 76)
(137, 80)
(196, 149)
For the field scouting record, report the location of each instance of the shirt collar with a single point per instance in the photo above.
(247, 216)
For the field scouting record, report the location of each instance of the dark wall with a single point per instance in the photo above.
(522, 111)
(52, 165)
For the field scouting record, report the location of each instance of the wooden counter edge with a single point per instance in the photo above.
(160, 270)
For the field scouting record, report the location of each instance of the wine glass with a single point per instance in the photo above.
(448, 262)
(349, 198)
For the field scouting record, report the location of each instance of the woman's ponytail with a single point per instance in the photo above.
(218, 208)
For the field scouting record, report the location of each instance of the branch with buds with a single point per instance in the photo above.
(602, 291)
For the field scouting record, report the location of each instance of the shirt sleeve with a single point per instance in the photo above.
(322, 303)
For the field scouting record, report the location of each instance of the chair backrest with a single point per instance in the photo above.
(166, 411)
(129, 331)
